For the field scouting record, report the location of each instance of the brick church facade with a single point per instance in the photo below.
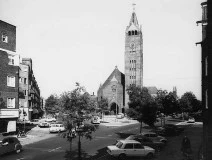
(114, 88)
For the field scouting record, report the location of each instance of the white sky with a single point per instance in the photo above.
(82, 41)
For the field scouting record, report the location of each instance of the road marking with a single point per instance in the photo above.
(20, 158)
(110, 135)
(52, 150)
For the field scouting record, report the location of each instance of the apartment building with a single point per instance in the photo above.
(30, 100)
(9, 73)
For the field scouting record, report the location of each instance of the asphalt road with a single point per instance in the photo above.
(58, 148)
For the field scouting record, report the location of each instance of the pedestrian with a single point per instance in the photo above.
(186, 146)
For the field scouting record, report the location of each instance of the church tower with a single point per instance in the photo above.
(133, 55)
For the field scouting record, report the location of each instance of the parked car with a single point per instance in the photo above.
(168, 130)
(35, 121)
(95, 120)
(156, 144)
(56, 128)
(154, 136)
(10, 144)
(191, 120)
(130, 148)
(120, 115)
(43, 123)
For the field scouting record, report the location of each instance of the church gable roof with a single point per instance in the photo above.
(114, 76)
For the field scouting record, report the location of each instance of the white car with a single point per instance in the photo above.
(56, 128)
(120, 115)
(95, 120)
(191, 120)
(130, 148)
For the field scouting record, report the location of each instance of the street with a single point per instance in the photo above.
(58, 148)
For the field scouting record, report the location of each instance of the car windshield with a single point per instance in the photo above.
(130, 138)
(119, 144)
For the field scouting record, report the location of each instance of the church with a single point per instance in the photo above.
(114, 88)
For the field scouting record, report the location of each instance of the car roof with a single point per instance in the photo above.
(148, 133)
(129, 141)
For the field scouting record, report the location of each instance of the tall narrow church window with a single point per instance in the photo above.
(134, 61)
(136, 32)
(130, 77)
(129, 33)
(132, 32)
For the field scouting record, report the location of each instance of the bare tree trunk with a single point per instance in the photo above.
(140, 126)
(70, 148)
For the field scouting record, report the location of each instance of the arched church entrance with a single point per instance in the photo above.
(115, 108)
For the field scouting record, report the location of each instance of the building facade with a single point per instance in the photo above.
(9, 83)
(114, 88)
(206, 45)
(133, 55)
(30, 102)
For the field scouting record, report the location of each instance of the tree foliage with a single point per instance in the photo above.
(51, 105)
(189, 103)
(142, 105)
(75, 106)
(103, 104)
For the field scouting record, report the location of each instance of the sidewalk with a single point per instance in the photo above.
(117, 122)
(36, 134)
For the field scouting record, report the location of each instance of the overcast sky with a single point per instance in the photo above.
(83, 40)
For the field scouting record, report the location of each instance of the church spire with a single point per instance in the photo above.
(133, 19)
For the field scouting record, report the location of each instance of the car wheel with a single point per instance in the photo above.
(18, 151)
(149, 155)
(122, 156)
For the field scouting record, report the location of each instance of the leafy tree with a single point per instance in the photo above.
(142, 105)
(74, 105)
(189, 103)
(51, 105)
(103, 104)
(171, 104)
(160, 99)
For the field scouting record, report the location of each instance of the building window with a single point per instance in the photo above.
(132, 32)
(25, 81)
(10, 102)
(136, 32)
(130, 77)
(206, 99)
(11, 81)
(129, 33)
(4, 38)
(20, 80)
(206, 66)
(11, 60)
(25, 92)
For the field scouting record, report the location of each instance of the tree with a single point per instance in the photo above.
(103, 105)
(74, 105)
(142, 105)
(170, 104)
(189, 103)
(160, 99)
(51, 105)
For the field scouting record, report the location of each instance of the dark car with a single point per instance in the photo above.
(168, 130)
(154, 136)
(156, 144)
(10, 144)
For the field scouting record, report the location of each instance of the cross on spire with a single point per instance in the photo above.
(133, 7)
